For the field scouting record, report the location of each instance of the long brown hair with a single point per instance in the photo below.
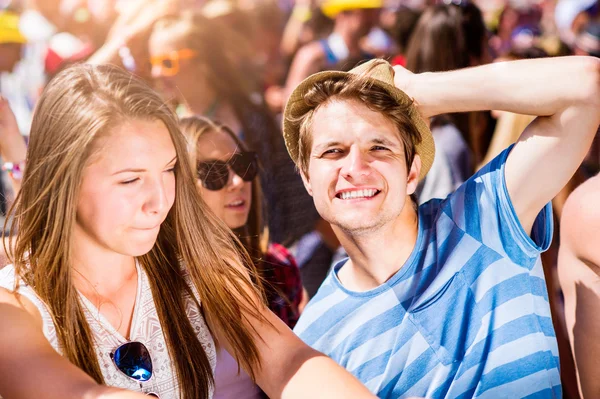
(78, 106)
(228, 70)
(438, 44)
(253, 234)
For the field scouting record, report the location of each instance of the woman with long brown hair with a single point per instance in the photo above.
(438, 44)
(119, 266)
(228, 182)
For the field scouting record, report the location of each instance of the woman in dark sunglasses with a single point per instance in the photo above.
(228, 182)
(121, 275)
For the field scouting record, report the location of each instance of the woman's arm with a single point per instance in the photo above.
(291, 369)
(31, 368)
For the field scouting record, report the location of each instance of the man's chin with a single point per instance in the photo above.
(357, 227)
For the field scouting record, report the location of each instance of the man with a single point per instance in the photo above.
(353, 19)
(579, 274)
(447, 300)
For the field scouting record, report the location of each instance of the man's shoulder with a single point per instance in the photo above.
(580, 218)
(582, 204)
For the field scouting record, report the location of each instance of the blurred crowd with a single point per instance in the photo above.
(237, 61)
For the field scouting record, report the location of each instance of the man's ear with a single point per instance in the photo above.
(306, 182)
(412, 180)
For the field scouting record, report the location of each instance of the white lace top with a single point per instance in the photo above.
(145, 328)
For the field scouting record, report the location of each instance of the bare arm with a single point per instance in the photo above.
(563, 92)
(308, 60)
(12, 144)
(31, 368)
(579, 274)
(290, 369)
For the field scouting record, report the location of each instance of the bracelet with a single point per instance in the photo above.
(14, 169)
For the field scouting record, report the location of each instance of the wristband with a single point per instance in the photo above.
(14, 170)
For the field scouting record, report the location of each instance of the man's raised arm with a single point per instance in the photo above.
(563, 92)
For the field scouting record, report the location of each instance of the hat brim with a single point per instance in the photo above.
(296, 107)
(333, 9)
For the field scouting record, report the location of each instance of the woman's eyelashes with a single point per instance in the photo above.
(170, 170)
(129, 181)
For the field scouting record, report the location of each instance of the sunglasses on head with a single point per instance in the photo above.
(215, 174)
(169, 63)
(133, 359)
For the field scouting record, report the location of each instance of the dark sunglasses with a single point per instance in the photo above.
(133, 359)
(215, 174)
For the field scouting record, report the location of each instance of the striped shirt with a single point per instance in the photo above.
(466, 316)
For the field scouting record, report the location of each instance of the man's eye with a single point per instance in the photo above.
(379, 148)
(130, 181)
(333, 151)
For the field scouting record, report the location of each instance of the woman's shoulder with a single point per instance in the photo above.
(7, 277)
(23, 297)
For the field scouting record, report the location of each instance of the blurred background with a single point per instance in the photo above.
(236, 61)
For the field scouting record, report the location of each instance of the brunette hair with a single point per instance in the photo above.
(81, 104)
(355, 88)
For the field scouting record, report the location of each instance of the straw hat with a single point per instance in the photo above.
(9, 28)
(382, 76)
(331, 8)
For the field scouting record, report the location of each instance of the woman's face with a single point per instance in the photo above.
(176, 69)
(127, 189)
(231, 203)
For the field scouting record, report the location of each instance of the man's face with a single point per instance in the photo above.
(10, 54)
(357, 172)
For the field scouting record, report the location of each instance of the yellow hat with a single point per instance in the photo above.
(9, 28)
(381, 75)
(331, 8)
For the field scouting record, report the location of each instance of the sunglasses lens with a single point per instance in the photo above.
(245, 165)
(133, 359)
(214, 175)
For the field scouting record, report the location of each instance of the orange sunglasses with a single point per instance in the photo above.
(169, 63)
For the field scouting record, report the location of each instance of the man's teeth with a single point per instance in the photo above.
(358, 194)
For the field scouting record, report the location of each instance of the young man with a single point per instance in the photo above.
(447, 300)
(579, 274)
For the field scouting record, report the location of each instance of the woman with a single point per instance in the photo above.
(121, 269)
(438, 44)
(202, 65)
(215, 153)
(228, 183)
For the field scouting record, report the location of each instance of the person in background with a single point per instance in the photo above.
(11, 40)
(12, 144)
(405, 22)
(588, 41)
(438, 44)
(195, 65)
(353, 19)
(228, 182)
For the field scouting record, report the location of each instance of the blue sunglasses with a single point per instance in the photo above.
(133, 359)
